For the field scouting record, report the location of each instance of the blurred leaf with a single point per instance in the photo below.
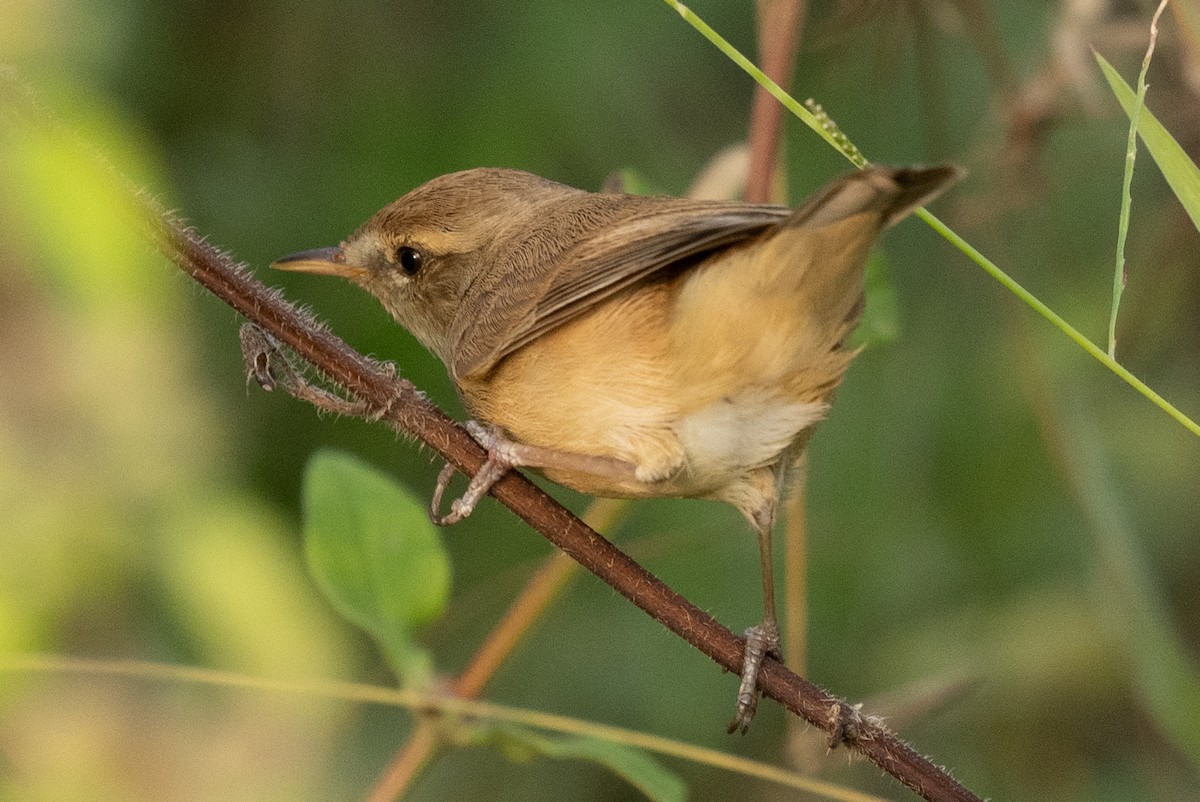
(881, 318)
(629, 181)
(375, 554)
(1180, 171)
(632, 765)
(245, 602)
(74, 206)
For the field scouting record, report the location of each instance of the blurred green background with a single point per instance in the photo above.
(1004, 538)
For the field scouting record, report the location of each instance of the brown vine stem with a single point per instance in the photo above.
(422, 746)
(398, 402)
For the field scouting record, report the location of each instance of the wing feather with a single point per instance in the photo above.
(627, 243)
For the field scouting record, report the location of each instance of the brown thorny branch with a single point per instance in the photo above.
(397, 401)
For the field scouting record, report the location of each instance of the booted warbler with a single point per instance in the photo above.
(634, 346)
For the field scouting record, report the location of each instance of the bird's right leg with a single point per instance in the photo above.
(505, 454)
(763, 639)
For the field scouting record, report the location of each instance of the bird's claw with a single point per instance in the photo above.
(761, 640)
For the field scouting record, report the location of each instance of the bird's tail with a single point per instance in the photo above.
(892, 191)
(835, 230)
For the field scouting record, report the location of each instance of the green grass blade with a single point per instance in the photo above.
(1119, 275)
(1062, 325)
(1181, 173)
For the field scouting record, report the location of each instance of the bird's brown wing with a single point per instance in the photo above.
(589, 246)
(635, 238)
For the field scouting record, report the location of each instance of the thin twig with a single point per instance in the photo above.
(795, 594)
(779, 25)
(421, 747)
(398, 402)
(528, 607)
(419, 701)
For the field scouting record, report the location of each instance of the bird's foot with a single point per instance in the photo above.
(761, 641)
(502, 456)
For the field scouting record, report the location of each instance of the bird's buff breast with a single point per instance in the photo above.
(609, 384)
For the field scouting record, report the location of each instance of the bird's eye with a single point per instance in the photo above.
(409, 259)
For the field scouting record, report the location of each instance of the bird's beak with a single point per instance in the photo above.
(326, 261)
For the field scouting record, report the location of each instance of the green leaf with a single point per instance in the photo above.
(881, 317)
(376, 556)
(1180, 171)
(643, 772)
(629, 181)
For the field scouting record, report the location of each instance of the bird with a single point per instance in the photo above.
(634, 346)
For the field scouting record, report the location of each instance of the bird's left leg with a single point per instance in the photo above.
(268, 363)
